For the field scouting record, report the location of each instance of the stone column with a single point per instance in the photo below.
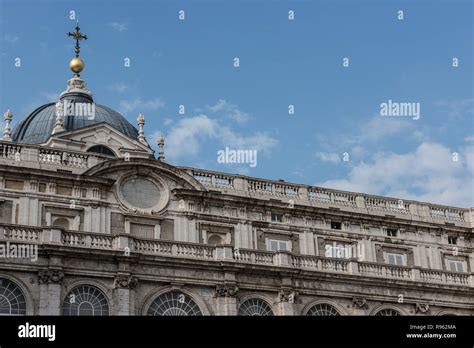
(124, 287)
(50, 292)
(226, 299)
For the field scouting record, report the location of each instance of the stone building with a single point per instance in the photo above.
(120, 232)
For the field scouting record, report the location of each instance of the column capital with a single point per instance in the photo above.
(226, 290)
(287, 295)
(50, 276)
(360, 302)
(124, 281)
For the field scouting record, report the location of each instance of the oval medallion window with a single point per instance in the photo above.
(141, 192)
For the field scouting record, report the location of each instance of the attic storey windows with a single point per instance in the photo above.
(277, 217)
(391, 232)
(336, 225)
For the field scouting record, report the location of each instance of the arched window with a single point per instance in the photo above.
(85, 300)
(388, 312)
(174, 303)
(323, 309)
(101, 149)
(215, 240)
(255, 306)
(12, 300)
(61, 223)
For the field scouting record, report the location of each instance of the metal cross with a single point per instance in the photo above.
(78, 36)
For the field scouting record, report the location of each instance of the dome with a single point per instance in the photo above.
(36, 127)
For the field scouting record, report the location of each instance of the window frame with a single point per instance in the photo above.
(278, 217)
(395, 255)
(392, 232)
(452, 239)
(279, 242)
(457, 263)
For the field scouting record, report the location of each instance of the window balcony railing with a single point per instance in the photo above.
(129, 245)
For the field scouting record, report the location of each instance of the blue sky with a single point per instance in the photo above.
(282, 62)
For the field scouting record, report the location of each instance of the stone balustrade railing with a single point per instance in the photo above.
(292, 193)
(308, 195)
(10, 151)
(34, 155)
(63, 158)
(128, 245)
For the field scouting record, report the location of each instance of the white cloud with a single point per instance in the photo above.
(457, 108)
(469, 138)
(230, 111)
(379, 127)
(11, 38)
(427, 174)
(139, 104)
(188, 135)
(118, 26)
(374, 130)
(50, 96)
(328, 157)
(119, 87)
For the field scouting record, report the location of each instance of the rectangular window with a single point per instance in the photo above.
(42, 187)
(277, 217)
(392, 232)
(275, 245)
(336, 225)
(455, 266)
(395, 259)
(452, 240)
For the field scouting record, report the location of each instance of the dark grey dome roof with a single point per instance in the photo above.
(36, 127)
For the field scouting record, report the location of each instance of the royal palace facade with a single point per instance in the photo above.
(93, 223)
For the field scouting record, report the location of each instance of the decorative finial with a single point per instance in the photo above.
(58, 126)
(141, 130)
(77, 64)
(161, 145)
(6, 131)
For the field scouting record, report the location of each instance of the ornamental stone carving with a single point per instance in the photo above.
(360, 302)
(422, 308)
(226, 290)
(125, 282)
(50, 276)
(287, 296)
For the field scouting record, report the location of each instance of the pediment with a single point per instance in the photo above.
(99, 134)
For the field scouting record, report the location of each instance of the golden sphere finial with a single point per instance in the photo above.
(76, 65)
